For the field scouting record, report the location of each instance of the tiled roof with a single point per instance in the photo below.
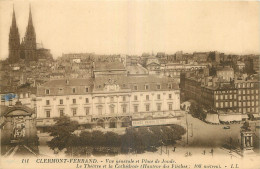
(136, 70)
(98, 84)
(131, 81)
(109, 66)
(71, 82)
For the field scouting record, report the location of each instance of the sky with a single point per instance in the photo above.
(135, 27)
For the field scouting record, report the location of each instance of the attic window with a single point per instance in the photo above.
(60, 90)
(146, 87)
(158, 87)
(170, 86)
(47, 91)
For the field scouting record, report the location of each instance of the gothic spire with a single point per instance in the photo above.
(14, 41)
(13, 19)
(30, 32)
(30, 22)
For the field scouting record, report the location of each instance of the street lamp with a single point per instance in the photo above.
(187, 127)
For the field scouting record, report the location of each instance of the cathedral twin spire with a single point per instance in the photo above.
(13, 19)
(27, 49)
(30, 28)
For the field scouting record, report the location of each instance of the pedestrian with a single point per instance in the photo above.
(212, 151)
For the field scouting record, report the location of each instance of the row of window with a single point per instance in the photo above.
(225, 104)
(249, 110)
(112, 110)
(61, 90)
(247, 103)
(245, 85)
(74, 101)
(221, 97)
(147, 87)
(231, 104)
(248, 97)
(61, 112)
(226, 91)
(248, 91)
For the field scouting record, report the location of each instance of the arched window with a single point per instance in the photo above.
(112, 123)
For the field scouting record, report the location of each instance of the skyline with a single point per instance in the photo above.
(133, 28)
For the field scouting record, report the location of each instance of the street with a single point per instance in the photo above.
(202, 134)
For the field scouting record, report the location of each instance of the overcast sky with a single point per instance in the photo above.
(125, 27)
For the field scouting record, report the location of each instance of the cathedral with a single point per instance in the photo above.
(26, 49)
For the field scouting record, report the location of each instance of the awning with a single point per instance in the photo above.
(230, 117)
(244, 116)
(256, 115)
(212, 118)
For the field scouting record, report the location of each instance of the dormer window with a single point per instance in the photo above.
(60, 90)
(86, 90)
(146, 87)
(158, 87)
(47, 91)
(135, 87)
(73, 90)
(170, 86)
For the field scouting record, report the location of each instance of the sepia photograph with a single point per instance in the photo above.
(129, 84)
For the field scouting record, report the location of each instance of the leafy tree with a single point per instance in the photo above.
(98, 138)
(149, 138)
(112, 139)
(62, 132)
(178, 132)
(131, 141)
(85, 138)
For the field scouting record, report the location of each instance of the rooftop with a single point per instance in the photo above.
(69, 82)
(101, 66)
(136, 69)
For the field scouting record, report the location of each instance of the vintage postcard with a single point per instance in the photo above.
(129, 84)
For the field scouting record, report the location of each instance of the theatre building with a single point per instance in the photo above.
(111, 101)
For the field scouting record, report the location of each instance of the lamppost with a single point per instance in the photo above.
(187, 126)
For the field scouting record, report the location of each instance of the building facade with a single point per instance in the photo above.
(108, 102)
(237, 96)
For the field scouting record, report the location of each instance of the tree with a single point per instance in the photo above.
(98, 138)
(85, 138)
(150, 138)
(62, 132)
(112, 139)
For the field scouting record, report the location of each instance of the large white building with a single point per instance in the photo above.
(110, 101)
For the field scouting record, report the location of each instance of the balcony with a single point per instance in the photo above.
(45, 122)
(81, 119)
(111, 115)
